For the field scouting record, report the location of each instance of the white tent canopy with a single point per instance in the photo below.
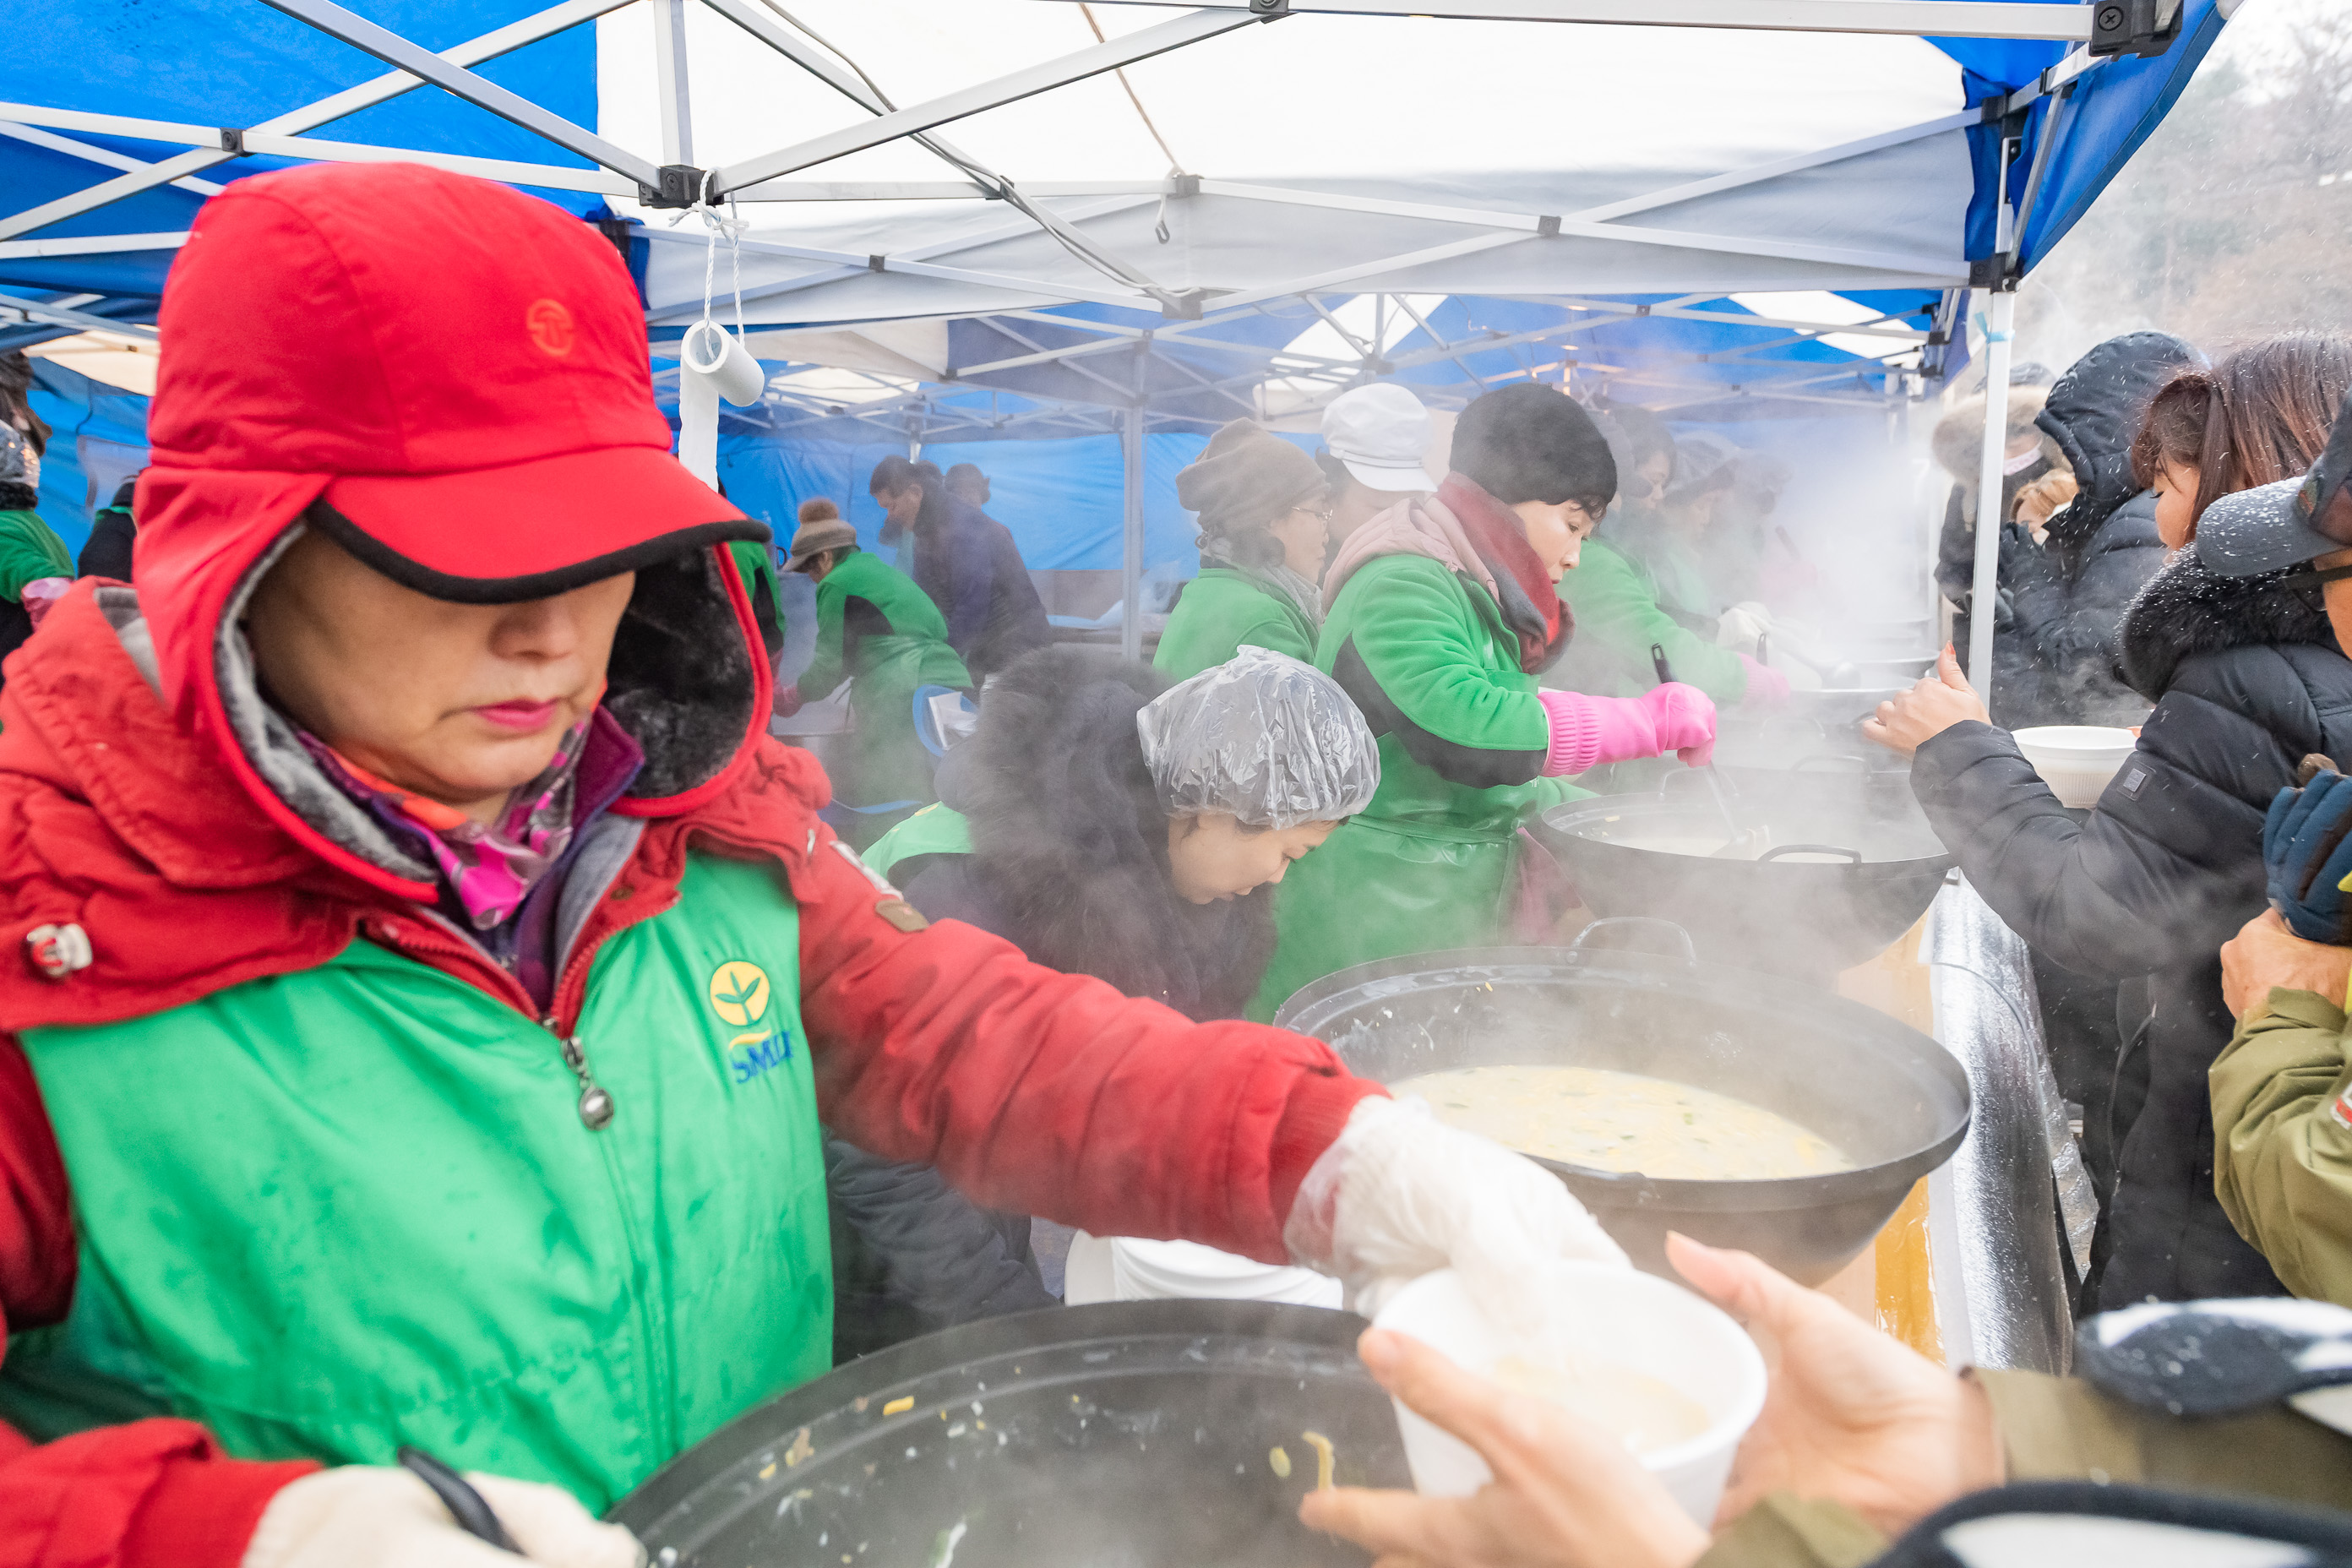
(1350, 155)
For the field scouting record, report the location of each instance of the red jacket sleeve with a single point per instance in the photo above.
(1048, 1093)
(148, 1495)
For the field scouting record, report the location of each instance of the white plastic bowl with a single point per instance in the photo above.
(1612, 1314)
(2076, 760)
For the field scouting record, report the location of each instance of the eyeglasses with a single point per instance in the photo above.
(1321, 514)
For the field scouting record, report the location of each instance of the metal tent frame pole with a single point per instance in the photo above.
(1130, 564)
(2000, 307)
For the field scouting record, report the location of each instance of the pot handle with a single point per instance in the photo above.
(1853, 856)
(1801, 764)
(1690, 953)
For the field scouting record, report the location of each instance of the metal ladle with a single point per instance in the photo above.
(1746, 843)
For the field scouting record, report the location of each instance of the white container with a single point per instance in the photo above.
(1135, 1270)
(2076, 760)
(1606, 1313)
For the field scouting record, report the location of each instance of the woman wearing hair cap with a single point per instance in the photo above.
(1110, 824)
(1441, 615)
(429, 975)
(1261, 504)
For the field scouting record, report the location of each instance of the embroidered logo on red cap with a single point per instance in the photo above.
(550, 325)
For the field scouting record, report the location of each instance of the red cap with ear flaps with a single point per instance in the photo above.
(459, 374)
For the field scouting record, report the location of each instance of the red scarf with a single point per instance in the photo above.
(1530, 604)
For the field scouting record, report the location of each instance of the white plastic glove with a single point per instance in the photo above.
(377, 1516)
(1399, 1193)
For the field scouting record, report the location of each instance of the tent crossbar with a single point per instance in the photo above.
(983, 96)
(1326, 282)
(90, 245)
(62, 315)
(1533, 222)
(1448, 349)
(1034, 346)
(272, 144)
(936, 190)
(852, 264)
(1914, 18)
(989, 234)
(361, 33)
(103, 156)
(350, 101)
(979, 182)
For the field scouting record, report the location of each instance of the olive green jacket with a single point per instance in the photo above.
(2056, 1428)
(2282, 1148)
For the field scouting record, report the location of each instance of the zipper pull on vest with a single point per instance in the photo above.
(595, 1102)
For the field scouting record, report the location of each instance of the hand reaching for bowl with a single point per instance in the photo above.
(1851, 1415)
(1905, 723)
(2266, 956)
(1565, 1494)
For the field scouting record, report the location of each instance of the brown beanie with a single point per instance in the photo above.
(1245, 478)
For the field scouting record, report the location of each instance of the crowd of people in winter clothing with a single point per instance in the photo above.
(415, 889)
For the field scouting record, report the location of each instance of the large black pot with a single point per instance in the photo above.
(1810, 916)
(1893, 1099)
(1130, 1435)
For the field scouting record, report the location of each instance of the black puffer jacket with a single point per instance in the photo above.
(2247, 681)
(2067, 599)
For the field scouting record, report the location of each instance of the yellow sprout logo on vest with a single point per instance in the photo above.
(744, 1000)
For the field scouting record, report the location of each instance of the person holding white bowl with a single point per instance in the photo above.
(1861, 1439)
(2248, 681)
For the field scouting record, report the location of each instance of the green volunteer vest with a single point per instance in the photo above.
(1222, 610)
(934, 830)
(1430, 863)
(330, 1213)
(884, 759)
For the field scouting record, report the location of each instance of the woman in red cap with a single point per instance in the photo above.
(431, 977)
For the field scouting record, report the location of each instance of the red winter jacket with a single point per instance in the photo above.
(1034, 1091)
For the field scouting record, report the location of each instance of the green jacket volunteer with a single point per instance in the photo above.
(883, 635)
(30, 550)
(431, 976)
(1442, 613)
(1262, 507)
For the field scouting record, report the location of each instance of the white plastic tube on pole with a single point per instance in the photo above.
(710, 365)
(2000, 308)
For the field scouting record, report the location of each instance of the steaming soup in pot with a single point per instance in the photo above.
(1627, 1123)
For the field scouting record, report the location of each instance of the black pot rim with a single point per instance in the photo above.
(1610, 1190)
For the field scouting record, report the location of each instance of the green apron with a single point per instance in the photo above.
(329, 1213)
(1222, 610)
(934, 830)
(1430, 863)
(884, 760)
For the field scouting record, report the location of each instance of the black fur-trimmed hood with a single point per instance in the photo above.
(2187, 610)
(1070, 845)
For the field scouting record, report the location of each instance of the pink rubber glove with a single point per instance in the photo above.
(1766, 686)
(1685, 717)
(1587, 732)
(788, 700)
